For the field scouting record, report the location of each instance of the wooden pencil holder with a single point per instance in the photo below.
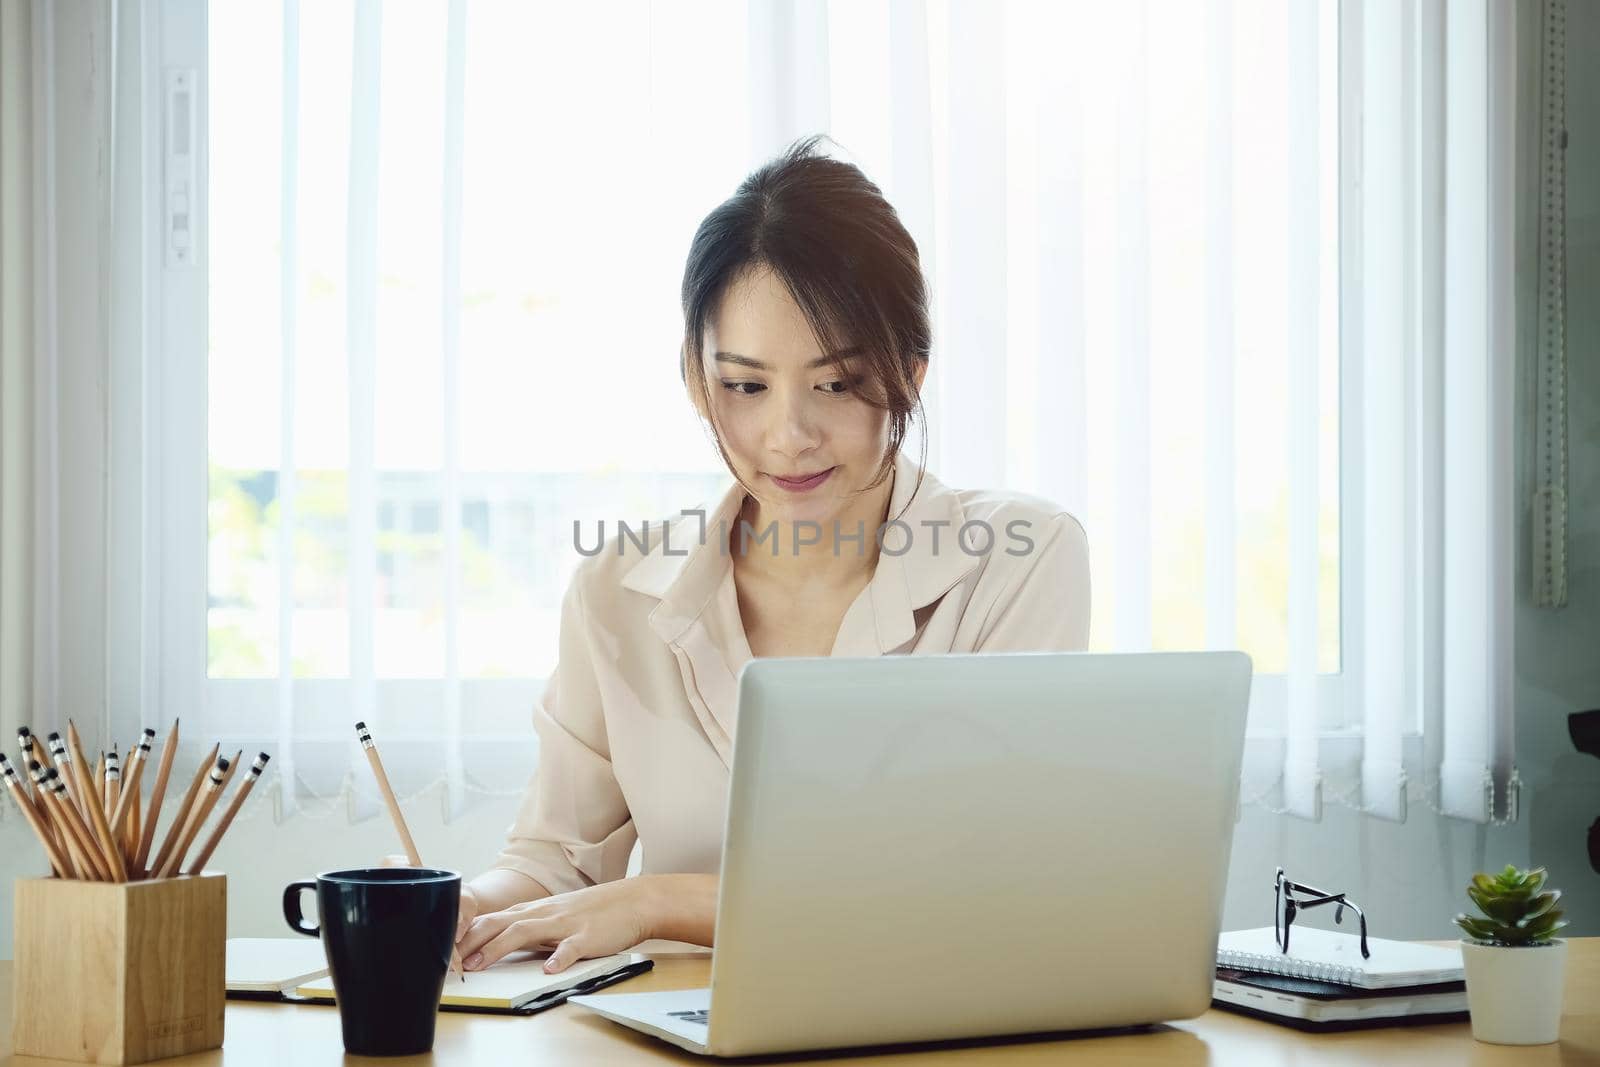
(119, 973)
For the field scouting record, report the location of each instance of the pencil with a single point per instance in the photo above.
(365, 737)
(130, 787)
(29, 746)
(232, 809)
(113, 787)
(181, 816)
(33, 752)
(215, 782)
(64, 841)
(63, 765)
(87, 856)
(96, 816)
(41, 804)
(133, 828)
(41, 792)
(412, 855)
(168, 750)
(25, 802)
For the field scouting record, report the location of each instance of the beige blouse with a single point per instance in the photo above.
(637, 722)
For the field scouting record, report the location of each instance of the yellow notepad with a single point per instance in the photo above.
(513, 982)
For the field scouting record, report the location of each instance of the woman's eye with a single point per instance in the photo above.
(836, 388)
(743, 388)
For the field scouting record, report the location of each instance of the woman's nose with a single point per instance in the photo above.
(794, 430)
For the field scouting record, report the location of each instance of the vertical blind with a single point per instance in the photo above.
(1224, 279)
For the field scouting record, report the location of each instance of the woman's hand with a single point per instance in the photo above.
(467, 912)
(583, 924)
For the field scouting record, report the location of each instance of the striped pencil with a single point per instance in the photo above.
(169, 750)
(216, 781)
(96, 814)
(180, 818)
(58, 863)
(221, 828)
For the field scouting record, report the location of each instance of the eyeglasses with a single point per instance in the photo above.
(1285, 907)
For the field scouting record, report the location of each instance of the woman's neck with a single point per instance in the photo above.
(799, 553)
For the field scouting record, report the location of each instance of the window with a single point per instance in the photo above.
(438, 322)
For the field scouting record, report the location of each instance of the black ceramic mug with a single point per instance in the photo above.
(388, 932)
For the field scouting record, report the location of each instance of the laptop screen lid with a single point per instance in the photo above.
(936, 847)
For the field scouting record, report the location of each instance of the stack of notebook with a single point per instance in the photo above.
(1324, 983)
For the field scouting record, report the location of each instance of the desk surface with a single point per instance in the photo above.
(304, 1034)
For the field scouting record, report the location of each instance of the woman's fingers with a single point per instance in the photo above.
(483, 929)
(565, 955)
(522, 934)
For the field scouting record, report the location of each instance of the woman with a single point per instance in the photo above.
(806, 343)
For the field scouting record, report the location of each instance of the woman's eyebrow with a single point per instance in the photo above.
(756, 364)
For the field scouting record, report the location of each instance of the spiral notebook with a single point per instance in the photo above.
(1336, 957)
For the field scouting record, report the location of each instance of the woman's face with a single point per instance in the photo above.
(797, 431)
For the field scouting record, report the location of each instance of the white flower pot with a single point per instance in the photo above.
(1514, 994)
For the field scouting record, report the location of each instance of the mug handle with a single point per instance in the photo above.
(291, 909)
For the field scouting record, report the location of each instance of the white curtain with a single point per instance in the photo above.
(16, 367)
(1226, 279)
(57, 128)
(1429, 233)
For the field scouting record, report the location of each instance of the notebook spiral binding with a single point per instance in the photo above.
(1291, 967)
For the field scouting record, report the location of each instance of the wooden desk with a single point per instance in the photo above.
(303, 1034)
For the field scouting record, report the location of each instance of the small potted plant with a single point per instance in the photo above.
(1515, 968)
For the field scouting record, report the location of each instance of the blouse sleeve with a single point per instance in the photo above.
(1044, 606)
(573, 828)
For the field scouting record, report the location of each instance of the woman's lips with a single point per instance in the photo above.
(802, 485)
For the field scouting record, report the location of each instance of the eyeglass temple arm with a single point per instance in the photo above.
(1292, 905)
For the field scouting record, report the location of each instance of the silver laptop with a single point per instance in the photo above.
(925, 848)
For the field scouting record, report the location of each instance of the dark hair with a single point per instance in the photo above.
(828, 234)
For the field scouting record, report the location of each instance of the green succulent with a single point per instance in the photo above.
(1515, 911)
